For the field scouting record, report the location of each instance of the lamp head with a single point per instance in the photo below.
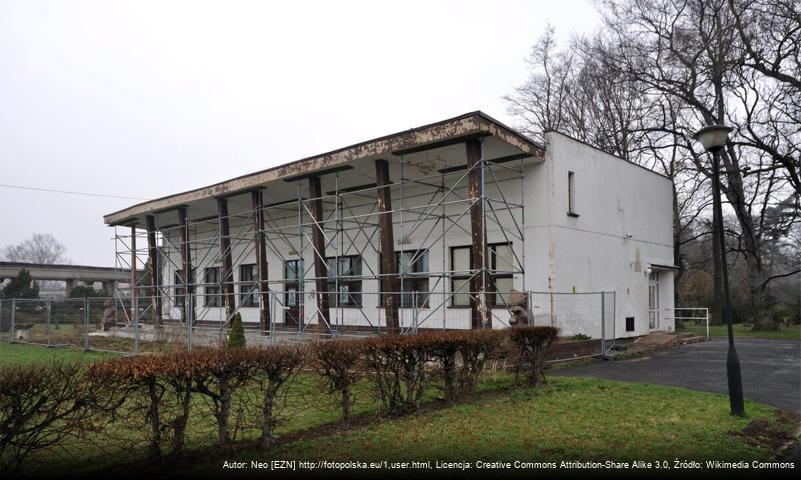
(713, 137)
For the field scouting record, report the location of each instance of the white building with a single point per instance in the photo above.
(476, 211)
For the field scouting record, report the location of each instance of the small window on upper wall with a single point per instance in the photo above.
(571, 194)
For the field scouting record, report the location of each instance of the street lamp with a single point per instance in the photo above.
(713, 138)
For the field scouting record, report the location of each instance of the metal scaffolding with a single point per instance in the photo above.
(314, 236)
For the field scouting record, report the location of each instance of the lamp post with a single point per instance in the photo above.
(713, 138)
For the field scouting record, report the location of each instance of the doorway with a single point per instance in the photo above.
(293, 296)
(653, 301)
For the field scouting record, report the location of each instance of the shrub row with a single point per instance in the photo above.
(157, 390)
(42, 405)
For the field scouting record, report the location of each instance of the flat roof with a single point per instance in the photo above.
(47, 271)
(436, 135)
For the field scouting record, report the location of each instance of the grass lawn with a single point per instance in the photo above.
(742, 330)
(14, 353)
(566, 419)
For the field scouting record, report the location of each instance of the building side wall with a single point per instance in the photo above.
(622, 224)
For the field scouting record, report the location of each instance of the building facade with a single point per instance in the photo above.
(429, 228)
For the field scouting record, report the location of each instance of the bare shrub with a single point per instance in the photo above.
(219, 374)
(397, 366)
(461, 356)
(156, 393)
(339, 363)
(41, 406)
(529, 347)
(273, 368)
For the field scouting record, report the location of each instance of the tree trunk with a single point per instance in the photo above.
(677, 256)
(154, 450)
(735, 193)
(223, 413)
(268, 422)
(346, 403)
(179, 426)
(716, 312)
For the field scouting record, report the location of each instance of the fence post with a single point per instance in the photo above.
(85, 324)
(190, 315)
(414, 311)
(707, 322)
(272, 316)
(603, 324)
(135, 315)
(530, 306)
(13, 317)
(48, 313)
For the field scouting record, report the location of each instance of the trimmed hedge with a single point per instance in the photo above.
(396, 365)
(159, 390)
(461, 357)
(529, 347)
(340, 363)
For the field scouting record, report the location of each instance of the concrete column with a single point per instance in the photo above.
(318, 245)
(71, 283)
(389, 271)
(109, 286)
(227, 263)
(187, 312)
(261, 258)
(153, 257)
(480, 317)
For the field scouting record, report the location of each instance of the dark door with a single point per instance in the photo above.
(293, 296)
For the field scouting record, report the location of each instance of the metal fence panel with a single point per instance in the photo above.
(585, 320)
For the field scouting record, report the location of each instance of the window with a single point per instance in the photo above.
(460, 279)
(500, 263)
(345, 272)
(571, 194)
(412, 268)
(211, 290)
(502, 266)
(179, 293)
(293, 271)
(247, 285)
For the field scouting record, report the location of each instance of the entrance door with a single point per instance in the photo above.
(653, 301)
(293, 297)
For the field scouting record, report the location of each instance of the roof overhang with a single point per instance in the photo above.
(503, 143)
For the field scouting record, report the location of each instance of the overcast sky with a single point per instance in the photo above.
(146, 99)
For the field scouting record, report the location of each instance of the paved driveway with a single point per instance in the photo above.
(771, 369)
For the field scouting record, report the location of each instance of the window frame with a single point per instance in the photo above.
(212, 290)
(414, 278)
(248, 298)
(353, 297)
(492, 288)
(571, 194)
(179, 295)
(293, 283)
(454, 277)
(492, 294)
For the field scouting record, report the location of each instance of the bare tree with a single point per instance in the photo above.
(41, 248)
(770, 54)
(658, 71)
